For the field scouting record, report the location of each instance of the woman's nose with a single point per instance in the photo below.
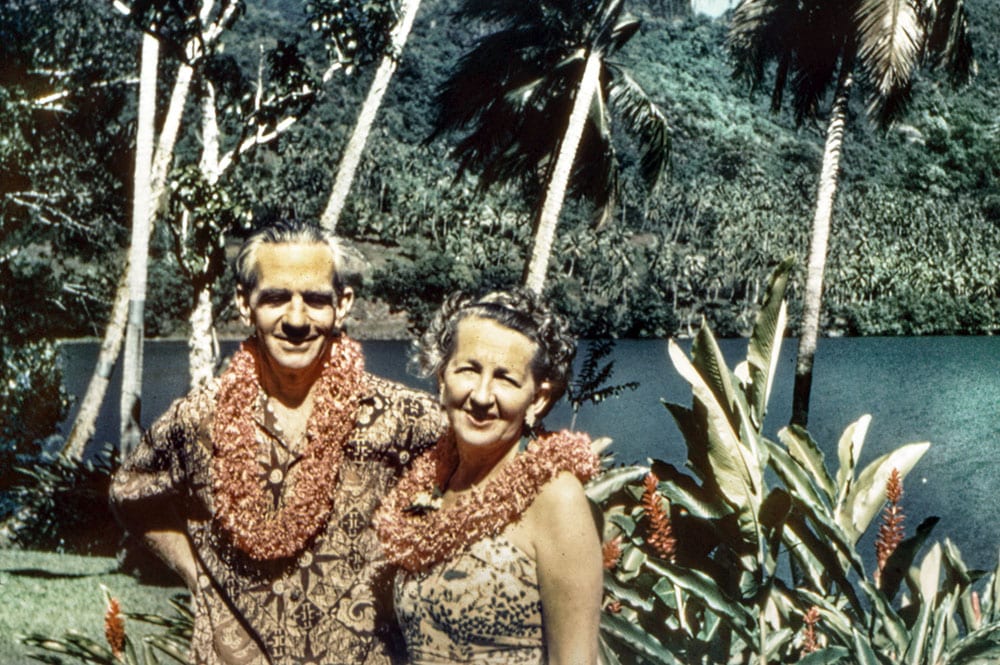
(481, 394)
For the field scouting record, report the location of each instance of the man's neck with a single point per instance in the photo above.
(290, 387)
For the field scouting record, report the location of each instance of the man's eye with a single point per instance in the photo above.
(319, 301)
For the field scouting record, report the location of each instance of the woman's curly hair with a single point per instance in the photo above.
(518, 309)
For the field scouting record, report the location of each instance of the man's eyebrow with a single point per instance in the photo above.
(273, 293)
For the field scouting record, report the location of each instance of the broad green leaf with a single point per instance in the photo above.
(930, 574)
(765, 341)
(863, 650)
(705, 589)
(977, 648)
(612, 480)
(635, 638)
(634, 596)
(681, 490)
(867, 496)
(848, 452)
(918, 635)
(707, 358)
(776, 640)
(827, 656)
(807, 453)
(734, 467)
(798, 479)
(894, 627)
(939, 635)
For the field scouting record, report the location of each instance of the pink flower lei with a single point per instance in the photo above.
(242, 507)
(417, 539)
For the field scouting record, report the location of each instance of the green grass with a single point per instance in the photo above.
(53, 594)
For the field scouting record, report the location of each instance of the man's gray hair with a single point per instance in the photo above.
(287, 231)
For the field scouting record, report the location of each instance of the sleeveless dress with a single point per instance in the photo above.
(480, 606)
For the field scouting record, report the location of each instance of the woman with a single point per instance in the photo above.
(498, 553)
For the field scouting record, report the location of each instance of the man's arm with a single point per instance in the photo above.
(146, 493)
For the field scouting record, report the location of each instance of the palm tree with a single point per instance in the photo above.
(351, 158)
(816, 44)
(534, 97)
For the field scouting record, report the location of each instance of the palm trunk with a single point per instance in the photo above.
(203, 350)
(86, 418)
(142, 204)
(812, 297)
(85, 423)
(559, 181)
(356, 145)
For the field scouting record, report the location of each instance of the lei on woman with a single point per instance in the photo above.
(416, 535)
(242, 506)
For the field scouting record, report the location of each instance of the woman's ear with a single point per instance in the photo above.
(540, 404)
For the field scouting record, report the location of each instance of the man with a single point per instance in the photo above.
(258, 490)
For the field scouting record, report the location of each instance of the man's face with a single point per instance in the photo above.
(294, 306)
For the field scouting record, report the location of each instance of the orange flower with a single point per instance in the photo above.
(809, 621)
(114, 628)
(890, 532)
(661, 534)
(612, 551)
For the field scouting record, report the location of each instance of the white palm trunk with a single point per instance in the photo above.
(203, 347)
(142, 204)
(84, 425)
(366, 118)
(555, 195)
(812, 298)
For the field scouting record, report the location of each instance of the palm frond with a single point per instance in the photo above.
(508, 12)
(644, 119)
(889, 37)
(948, 44)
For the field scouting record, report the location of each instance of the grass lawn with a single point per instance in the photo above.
(52, 594)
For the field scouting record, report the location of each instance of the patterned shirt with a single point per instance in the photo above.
(330, 604)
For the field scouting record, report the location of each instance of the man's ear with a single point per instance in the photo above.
(243, 305)
(345, 300)
(540, 404)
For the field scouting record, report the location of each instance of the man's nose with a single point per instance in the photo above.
(295, 316)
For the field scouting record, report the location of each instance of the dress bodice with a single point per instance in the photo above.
(481, 606)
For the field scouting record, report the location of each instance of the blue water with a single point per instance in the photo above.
(945, 390)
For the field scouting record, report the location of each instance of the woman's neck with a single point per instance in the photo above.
(476, 465)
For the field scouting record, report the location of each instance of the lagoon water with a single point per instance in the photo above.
(945, 390)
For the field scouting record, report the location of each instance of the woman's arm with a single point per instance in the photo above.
(570, 574)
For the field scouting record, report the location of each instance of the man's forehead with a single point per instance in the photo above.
(294, 261)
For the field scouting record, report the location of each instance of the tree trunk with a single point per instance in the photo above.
(86, 418)
(203, 349)
(559, 180)
(356, 145)
(142, 204)
(812, 297)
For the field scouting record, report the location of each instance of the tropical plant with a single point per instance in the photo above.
(752, 557)
(818, 43)
(534, 96)
(172, 641)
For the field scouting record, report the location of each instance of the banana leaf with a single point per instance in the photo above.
(603, 486)
(807, 453)
(765, 342)
(867, 496)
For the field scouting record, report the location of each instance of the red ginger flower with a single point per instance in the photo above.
(809, 621)
(890, 532)
(114, 628)
(661, 534)
(612, 552)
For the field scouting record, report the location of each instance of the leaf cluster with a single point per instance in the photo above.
(766, 535)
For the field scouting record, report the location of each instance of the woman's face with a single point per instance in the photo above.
(487, 388)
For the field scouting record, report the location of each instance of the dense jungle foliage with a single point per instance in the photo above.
(913, 229)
